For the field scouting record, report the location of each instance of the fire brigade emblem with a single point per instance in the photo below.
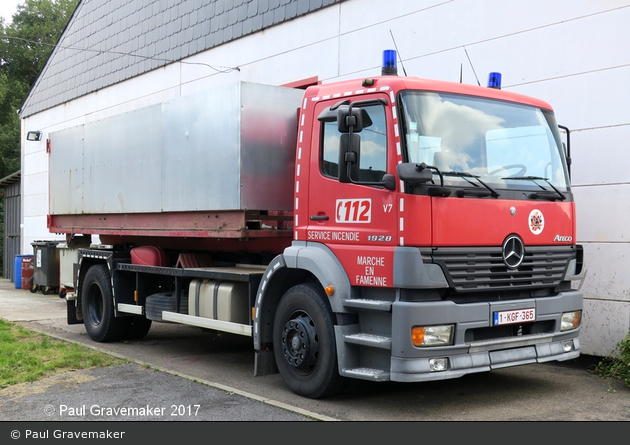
(536, 222)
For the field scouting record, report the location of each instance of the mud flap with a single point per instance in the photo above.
(71, 309)
(264, 363)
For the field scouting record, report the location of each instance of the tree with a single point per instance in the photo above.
(25, 45)
(35, 29)
(12, 93)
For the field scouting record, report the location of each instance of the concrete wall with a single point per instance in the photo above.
(571, 53)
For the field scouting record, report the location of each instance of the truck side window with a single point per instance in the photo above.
(373, 159)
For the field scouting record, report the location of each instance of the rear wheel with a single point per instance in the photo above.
(304, 343)
(138, 328)
(98, 306)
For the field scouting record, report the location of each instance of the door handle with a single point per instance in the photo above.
(319, 218)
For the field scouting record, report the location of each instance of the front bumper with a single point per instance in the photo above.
(469, 353)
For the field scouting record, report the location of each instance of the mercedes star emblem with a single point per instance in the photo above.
(513, 251)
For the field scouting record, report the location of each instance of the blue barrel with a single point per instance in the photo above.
(17, 267)
(17, 271)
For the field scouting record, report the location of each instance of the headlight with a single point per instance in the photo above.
(432, 335)
(570, 320)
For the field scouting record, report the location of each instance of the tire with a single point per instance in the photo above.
(98, 306)
(138, 328)
(304, 343)
(164, 301)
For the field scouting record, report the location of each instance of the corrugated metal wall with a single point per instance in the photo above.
(11, 229)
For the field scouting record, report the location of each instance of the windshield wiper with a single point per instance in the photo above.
(466, 176)
(546, 194)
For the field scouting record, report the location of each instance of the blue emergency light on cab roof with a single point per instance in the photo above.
(389, 63)
(494, 80)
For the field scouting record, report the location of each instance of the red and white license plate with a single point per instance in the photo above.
(518, 316)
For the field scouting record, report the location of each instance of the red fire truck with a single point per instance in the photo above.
(387, 228)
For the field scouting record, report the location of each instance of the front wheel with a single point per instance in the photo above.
(98, 306)
(304, 343)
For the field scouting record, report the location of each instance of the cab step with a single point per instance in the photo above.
(365, 303)
(377, 375)
(375, 341)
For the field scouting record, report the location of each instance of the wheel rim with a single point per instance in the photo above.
(299, 341)
(95, 305)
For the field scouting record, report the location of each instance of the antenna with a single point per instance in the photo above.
(471, 65)
(396, 46)
(461, 67)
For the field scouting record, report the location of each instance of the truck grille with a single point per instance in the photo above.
(482, 268)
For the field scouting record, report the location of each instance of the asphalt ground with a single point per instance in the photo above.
(128, 392)
(178, 374)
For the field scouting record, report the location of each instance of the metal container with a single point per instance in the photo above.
(219, 300)
(225, 149)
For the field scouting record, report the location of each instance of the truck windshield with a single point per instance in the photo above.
(494, 140)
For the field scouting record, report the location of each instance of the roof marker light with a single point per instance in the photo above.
(389, 63)
(494, 81)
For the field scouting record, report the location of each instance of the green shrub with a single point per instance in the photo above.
(617, 365)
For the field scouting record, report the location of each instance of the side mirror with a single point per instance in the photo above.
(328, 115)
(389, 181)
(352, 118)
(414, 173)
(567, 146)
(349, 157)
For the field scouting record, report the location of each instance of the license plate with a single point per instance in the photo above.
(518, 316)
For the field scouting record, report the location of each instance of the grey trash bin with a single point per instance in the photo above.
(45, 266)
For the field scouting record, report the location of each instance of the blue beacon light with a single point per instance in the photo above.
(389, 63)
(494, 81)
